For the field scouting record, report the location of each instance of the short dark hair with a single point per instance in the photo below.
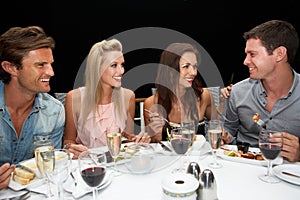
(17, 42)
(276, 33)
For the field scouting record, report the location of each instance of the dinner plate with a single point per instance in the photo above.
(291, 168)
(221, 153)
(33, 183)
(82, 188)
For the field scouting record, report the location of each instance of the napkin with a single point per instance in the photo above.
(82, 188)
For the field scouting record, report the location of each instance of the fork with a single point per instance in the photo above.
(74, 179)
(150, 112)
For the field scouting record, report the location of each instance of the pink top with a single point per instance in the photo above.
(92, 135)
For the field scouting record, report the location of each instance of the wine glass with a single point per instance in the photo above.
(43, 152)
(113, 138)
(61, 170)
(214, 131)
(270, 144)
(188, 130)
(92, 168)
(180, 144)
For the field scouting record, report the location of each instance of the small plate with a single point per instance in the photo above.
(220, 153)
(33, 183)
(31, 166)
(82, 188)
(291, 168)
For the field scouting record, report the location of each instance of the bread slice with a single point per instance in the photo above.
(21, 172)
(21, 180)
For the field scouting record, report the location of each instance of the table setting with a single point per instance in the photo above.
(233, 180)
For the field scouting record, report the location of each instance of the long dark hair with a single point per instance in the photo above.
(167, 80)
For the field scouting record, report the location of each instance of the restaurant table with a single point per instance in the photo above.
(235, 181)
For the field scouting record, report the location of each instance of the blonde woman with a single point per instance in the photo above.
(101, 103)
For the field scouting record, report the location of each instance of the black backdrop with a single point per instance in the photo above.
(77, 25)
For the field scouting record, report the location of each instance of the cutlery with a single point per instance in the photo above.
(290, 174)
(74, 179)
(150, 112)
(164, 146)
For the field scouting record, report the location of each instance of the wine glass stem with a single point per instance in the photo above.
(269, 168)
(60, 192)
(49, 192)
(115, 165)
(214, 156)
(95, 193)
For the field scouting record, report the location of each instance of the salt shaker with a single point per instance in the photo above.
(207, 188)
(194, 169)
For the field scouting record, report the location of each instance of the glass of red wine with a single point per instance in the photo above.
(180, 144)
(92, 168)
(270, 144)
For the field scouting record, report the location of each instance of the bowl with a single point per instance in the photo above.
(141, 158)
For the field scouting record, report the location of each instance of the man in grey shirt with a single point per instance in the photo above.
(272, 90)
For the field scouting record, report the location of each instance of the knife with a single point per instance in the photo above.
(164, 146)
(290, 174)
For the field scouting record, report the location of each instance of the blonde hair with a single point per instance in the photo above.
(93, 72)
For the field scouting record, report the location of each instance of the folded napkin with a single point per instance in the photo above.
(82, 188)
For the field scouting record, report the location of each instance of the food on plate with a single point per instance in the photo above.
(240, 154)
(23, 176)
(259, 157)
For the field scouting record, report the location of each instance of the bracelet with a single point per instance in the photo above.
(67, 146)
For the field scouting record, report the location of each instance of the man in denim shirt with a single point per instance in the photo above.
(26, 109)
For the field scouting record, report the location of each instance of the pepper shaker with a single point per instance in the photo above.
(207, 188)
(194, 169)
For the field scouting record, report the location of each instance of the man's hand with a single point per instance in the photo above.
(290, 147)
(5, 173)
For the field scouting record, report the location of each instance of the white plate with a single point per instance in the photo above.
(220, 153)
(121, 154)
(31, 166)
(33, 183)
(82, 188)
(292, 168)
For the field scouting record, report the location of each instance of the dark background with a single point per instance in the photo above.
(76, 25)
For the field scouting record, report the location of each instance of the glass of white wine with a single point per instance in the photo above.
(43, 152)
(214, 130)
(114, 140)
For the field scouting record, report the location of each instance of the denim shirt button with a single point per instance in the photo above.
(22, 139)
(14, 140)
(15, 160)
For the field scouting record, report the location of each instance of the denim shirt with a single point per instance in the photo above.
(249, 97)
(47, 117)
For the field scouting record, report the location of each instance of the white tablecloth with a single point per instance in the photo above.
(234, 180)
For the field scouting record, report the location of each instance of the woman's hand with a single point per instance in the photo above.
(76, 149)
(5, 173)
(225, 92)
(142, 137)
(156, 123)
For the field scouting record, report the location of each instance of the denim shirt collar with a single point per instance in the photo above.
(262, 90)
(38, 101)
